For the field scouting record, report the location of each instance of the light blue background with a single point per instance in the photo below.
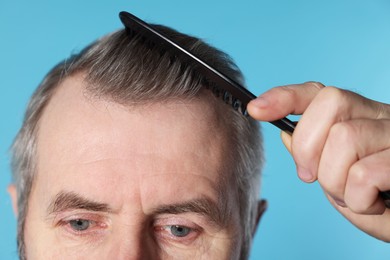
(275, 42)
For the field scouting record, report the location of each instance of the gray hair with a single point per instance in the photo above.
(126, 70)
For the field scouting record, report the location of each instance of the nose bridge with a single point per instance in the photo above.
(137, 243)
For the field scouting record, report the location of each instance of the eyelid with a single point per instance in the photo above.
(192, 220)
(100, 224)
(176, 221)
(79, 213)
(162, 228)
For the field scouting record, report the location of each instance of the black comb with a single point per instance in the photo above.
(221, 85)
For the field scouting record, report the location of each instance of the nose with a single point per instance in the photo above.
(137, 246)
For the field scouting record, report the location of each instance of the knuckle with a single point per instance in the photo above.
(335, 101)
(333, 186)
(282, 93)
(334, 95)
(288, 91)
(315, 84)
(359, 174)
(343, 134)
(341, 101)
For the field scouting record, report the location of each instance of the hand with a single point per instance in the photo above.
(343, 141)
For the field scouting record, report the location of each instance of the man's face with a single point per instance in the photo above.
(122, 182)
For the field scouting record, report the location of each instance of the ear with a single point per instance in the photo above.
(261, 208)
(14, 197)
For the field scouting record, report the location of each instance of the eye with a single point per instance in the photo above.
(179, 231)
(80, 224)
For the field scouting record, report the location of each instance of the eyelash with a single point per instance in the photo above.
(164, 231)
(162, 228)
(95, 225)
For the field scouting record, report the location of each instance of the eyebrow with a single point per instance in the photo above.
(69, 200)
(202, 206)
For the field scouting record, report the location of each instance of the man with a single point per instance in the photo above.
(124, 154)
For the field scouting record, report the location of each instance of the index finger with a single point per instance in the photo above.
(281, 101)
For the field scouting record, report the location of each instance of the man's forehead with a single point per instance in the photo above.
(73, 94)
(73, 117)
(99, 139)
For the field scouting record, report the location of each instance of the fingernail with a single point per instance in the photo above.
(304, 174)
(261, 102)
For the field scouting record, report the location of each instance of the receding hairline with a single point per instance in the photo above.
(212, 105)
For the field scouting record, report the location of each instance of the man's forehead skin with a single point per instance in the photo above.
(154, 144)
(70, 113)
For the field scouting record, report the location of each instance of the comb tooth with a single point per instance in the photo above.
(244, 111)
(227, 97)
(236, 104)
(241, 108)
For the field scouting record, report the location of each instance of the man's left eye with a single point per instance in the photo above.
(79, 224)
(179, 231)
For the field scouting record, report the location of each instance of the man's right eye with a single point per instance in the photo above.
(83, 224)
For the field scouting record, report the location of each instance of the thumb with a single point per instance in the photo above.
(281, 101)
(286, 139)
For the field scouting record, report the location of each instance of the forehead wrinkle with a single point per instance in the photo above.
(210, 126)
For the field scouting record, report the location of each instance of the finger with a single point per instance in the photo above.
(366, 179)
(329, 107)
(282, 101)
(286, 139)
(347, 143)
(376, 225)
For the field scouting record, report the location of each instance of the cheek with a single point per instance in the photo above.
(211, 247)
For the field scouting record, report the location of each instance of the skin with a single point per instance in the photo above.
(332, 118)
(124, 174)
